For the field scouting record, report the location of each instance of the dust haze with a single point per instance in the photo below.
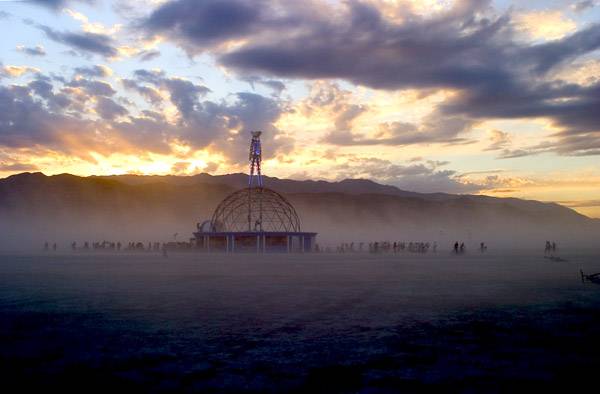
(65, 209)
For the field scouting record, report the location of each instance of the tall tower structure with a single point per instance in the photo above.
(254, 218)
(255, 159)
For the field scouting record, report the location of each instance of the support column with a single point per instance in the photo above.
(233, 243)
(287, 238)
(257, 243)
(227, 244)
(302, 243)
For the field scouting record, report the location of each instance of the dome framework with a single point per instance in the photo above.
(254, 219)
(254, 210)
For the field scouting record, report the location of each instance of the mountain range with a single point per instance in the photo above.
(64, 208)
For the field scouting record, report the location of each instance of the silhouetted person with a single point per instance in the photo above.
(462, 247)
(54, 246)
(74, 246)
(553, 247)
(46, 246)
(456, 247)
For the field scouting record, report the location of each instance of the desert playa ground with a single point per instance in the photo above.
(315, 322)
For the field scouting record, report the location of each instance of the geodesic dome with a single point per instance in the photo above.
(255, 209)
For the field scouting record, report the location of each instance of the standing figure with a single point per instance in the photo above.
(255, 158)
(548, 248)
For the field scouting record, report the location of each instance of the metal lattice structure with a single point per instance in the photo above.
(255, 209)
(254, 219)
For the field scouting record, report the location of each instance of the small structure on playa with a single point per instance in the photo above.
(254, 219)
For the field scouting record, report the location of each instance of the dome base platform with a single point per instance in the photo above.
(255, 242)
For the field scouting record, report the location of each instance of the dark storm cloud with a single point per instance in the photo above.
(32, 51)
(363, 47)
(85, 42)
(469, 48)
(200, 24)
(548, 55)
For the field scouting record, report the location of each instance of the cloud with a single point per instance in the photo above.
(59, 4)
(277, 87)
(423, 178)
(4, 15)
(580, 203)
(38, 50)
(16, 71)
(498, 140)
(148, 55)
(542, 147)
(184, 94)
(546, 25)
(84, 42)
(432, 129)
(79, 116)
(199, 25)
(17, 167)
(581, 6)
(150, 94)
(93, 87)
(108, 109)
(467, 48)
(98, 70)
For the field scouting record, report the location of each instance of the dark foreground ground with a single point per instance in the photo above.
(324, 323)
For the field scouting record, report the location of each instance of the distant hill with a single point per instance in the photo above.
(35, 207)
(239, 180)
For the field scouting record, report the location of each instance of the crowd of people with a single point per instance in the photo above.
(385, 247)
(375, 247)
(109, 246)
(399, 247)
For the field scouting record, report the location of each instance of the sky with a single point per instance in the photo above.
(500, 98)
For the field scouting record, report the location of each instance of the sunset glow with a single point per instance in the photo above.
(497, 98)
